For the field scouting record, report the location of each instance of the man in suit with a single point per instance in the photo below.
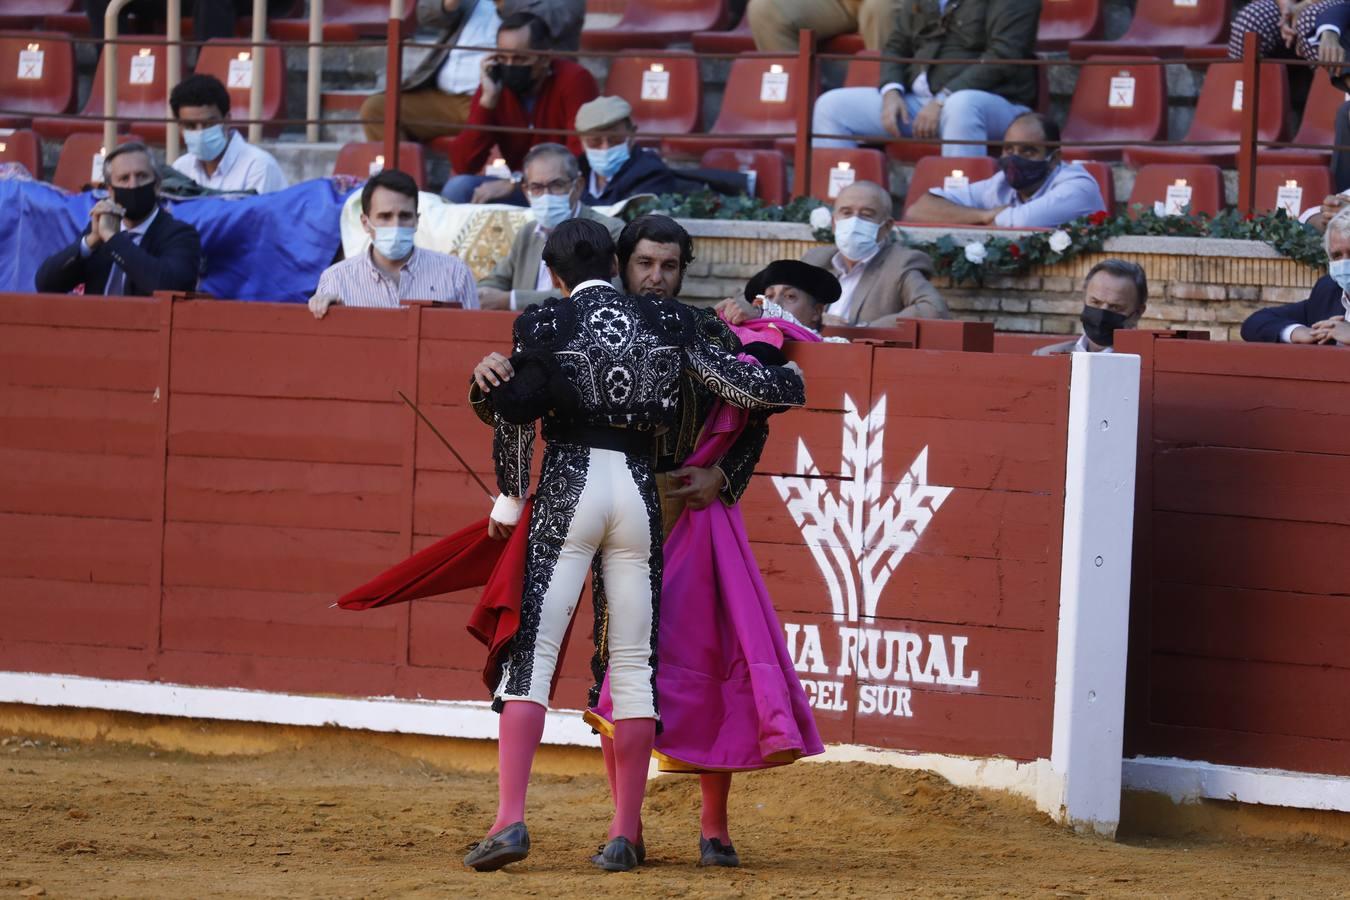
(1115, 295)
(1324, 318)
(880, 279)
(553, 185)
(131, 248)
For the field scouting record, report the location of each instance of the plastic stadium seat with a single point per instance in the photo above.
(843, 43)
(1104, 108)
(75, 166)
(864, 70)
(1164, 28)
(355, 159)
(746, 113)
(1151, 183)
(658, 24)
(1102, 172)
(144, 99)
(1314, 182)
(1317, 127)
(30, 13)
(53, 93)
(933, 171)
(1217, 120)
(22, 147)
(737, 40)
(768, 166)
(1063, 21)
(856, 164)
(346, 20)
(672, 104)
(215, 59)
(1205, 53)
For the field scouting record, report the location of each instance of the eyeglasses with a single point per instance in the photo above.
(559, 186)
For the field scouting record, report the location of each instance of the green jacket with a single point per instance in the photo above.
(969, 29)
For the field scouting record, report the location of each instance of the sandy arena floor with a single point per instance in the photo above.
(108, 820)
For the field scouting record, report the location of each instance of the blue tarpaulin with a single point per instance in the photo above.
(269, 247)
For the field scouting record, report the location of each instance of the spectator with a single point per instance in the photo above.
(1320, 214)
(614, 168)
(1115, 294)
(1034, 187)
(392, 269)
(218, 158)
(943, 100)
(131, 248)
(518, 89)
(211, 18)
(775, 23)
(562, 18)
(553, 185)
(880, 279)
(435, 98)
(1324, 318)
(1283, 26)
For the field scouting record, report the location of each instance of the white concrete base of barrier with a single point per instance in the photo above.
(1188, 781)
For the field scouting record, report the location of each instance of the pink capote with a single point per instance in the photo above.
(729, 697)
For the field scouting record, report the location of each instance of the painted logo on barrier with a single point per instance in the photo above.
(858, 539)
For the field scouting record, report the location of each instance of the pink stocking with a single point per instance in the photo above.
(633, 739)
(607, 750)
(716, 786)
(521, 728)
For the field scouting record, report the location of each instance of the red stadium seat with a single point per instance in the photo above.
(215, 59)
(346, 20)
(1151, 184)
(760, 98)
(737, 40)
(51, 93)
(665, 91)
(30, 13)
(1317, 127)
(1163, 28)
(658, 24)
(1310, 184)
(75, 166)
(933, 171)
(1105, 109)
(143, 99)
(1216, 119)
(1102, 172)
(22, 147)
(843, 43)
(1063, 21)
(1205, 53)
(768, 166)
(356, 159)
(864, 70)
(833, 169)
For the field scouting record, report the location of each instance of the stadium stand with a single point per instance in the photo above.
(22, 147)
(1121, 102)
(43, 87)
(760, 98)
(30, 13)
(216, 58)
(346, 20)
(1218, 117)
(658, 24)
(1151, 184)
(1318, 126)
(933, 171)
(834, 168)
(361, 159)
(1164, 28)
(1305, 186)
(664, 90)
(141, 93)
(1102, 172)
(1063, 21)
(770, 171)
(76, 164)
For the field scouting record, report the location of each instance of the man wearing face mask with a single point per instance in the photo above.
(614, 168)
(553, 185)
(131, 248)
(1033, 188)
(1324, 318)
(392, 269)
(218, 157)
(1115, 295)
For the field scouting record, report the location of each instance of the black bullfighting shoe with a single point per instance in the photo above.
(619, 855)
(511, 844)
(712, 852)
(641, 853)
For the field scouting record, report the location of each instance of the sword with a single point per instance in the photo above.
(436, 431)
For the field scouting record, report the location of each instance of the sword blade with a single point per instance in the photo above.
(449, 446)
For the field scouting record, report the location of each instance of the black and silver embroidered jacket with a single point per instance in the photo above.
(625, 355)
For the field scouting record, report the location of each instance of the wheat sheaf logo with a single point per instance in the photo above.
(857, 538)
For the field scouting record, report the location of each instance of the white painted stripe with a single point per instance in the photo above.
(1187, 781)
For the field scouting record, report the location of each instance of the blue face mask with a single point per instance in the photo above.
(855, 237)
(1340, 273)
(551, 210)
(609, 161)
(206, 143)
(394, 242)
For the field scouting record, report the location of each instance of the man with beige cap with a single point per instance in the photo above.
(615, 168)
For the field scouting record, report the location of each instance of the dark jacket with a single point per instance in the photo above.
(432, 14)
(168, 258)
(644, 173)
(1325, 303)
(969, 29)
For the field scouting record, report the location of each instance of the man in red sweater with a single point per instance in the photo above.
(519, 89)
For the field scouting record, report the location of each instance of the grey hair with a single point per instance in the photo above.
(1121, 268)
(1339, 224)
(541, 150)
(123, 150)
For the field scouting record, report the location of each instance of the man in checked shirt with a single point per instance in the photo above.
(392, 269)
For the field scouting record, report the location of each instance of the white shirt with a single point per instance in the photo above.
(243, 167)
(1290, 329)
(848, 282)
(462, 70)
(1084, 347)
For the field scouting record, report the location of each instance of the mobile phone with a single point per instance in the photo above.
(494, 72)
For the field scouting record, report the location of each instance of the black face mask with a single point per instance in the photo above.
(516, 79)
(1100, 325)
(1022, 173)
(139, 202)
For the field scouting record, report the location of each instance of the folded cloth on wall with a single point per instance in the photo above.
(270, 247)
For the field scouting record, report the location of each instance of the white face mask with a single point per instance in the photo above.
(551, 210)
(855, 237)
(394, 242)
(206, 143)
(1340, 273)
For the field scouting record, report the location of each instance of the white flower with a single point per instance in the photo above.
(1060, 241)
(976, 252)
(821, 218)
